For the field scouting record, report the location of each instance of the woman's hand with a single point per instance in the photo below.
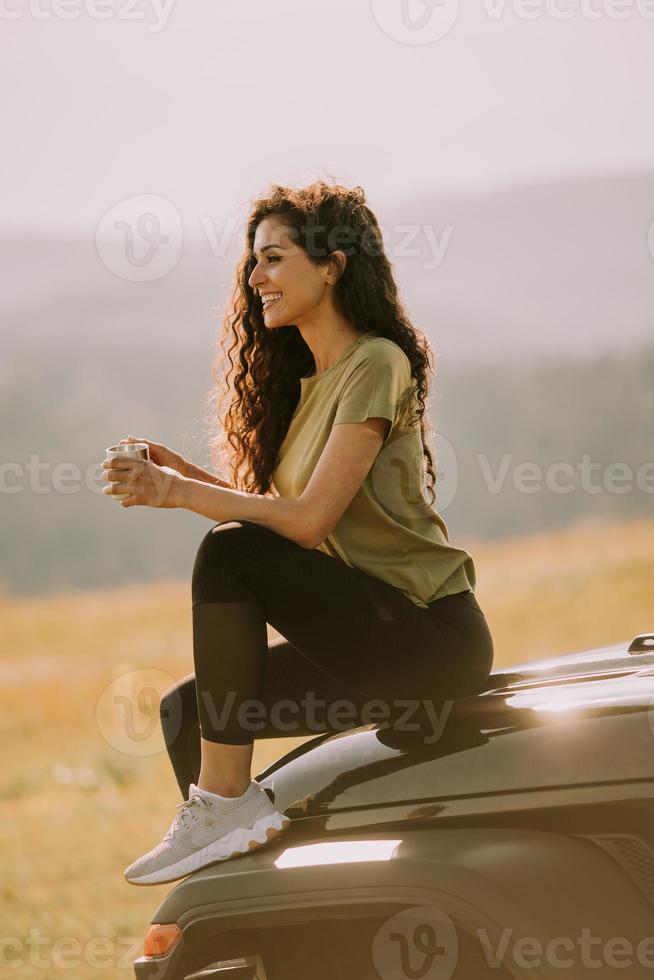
(160, 454)
(144, 482)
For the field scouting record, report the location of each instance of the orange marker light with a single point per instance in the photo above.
(161, 939)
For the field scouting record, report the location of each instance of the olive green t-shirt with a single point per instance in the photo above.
(389, 530)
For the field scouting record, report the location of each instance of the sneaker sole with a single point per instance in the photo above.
(238, 842)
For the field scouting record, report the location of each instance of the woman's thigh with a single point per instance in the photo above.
(361, 632)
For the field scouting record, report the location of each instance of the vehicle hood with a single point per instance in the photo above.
(579, 720)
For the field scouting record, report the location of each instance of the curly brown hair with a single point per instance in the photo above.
(264, 375)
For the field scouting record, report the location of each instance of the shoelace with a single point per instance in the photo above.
(186, 812)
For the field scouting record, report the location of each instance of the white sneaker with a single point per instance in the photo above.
(205, 831)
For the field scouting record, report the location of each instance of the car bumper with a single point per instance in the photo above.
(481, 880)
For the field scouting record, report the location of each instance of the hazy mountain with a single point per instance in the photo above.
(542, 269)
(549, 268)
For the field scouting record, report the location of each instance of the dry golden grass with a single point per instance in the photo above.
(580, 587)
(77, 809)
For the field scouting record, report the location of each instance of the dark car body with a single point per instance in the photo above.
(518, 843)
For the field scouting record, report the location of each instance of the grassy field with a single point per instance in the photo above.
(79, 803)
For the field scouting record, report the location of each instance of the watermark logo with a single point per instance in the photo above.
(415, 21)
(42, 952)
(423, 942)
(419, 942)
(566, 10)
(417, 716)
(140, 239)
(564, 477)
(395, 476)
(585, 950)
(155, 13)
(398, 476)
(127, 711)
(425, 21)
(418, 242)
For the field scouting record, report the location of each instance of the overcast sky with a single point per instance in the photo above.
(206, 102)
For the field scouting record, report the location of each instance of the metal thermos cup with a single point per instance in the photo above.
(139, 450)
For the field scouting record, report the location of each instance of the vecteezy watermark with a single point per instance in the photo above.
(43, 952)
(563, 477)
(394, 478)
(44, 477)
(427, 21)
(566, 952)
(133, 707)
(399, 487)
(399, 241)
(423, 941)
(415, 715)
(564, 10)
(140, 238)
(155, 13)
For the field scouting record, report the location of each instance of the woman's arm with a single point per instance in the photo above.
(344, 463)
(285, 516)
(193, 472)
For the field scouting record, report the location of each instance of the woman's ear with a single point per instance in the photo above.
(336, 267)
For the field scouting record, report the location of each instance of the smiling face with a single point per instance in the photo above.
(291, 287)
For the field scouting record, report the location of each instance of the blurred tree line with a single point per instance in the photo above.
(583, 423)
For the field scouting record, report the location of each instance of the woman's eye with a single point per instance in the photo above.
(271, 258)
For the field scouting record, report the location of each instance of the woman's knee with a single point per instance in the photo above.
(222, 555)
(218, 540)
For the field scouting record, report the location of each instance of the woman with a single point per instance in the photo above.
(331, 539)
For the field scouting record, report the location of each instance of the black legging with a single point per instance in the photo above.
(347, 637)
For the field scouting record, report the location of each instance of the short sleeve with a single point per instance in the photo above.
(378, 385)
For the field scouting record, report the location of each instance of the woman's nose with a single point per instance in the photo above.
(255, 278)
